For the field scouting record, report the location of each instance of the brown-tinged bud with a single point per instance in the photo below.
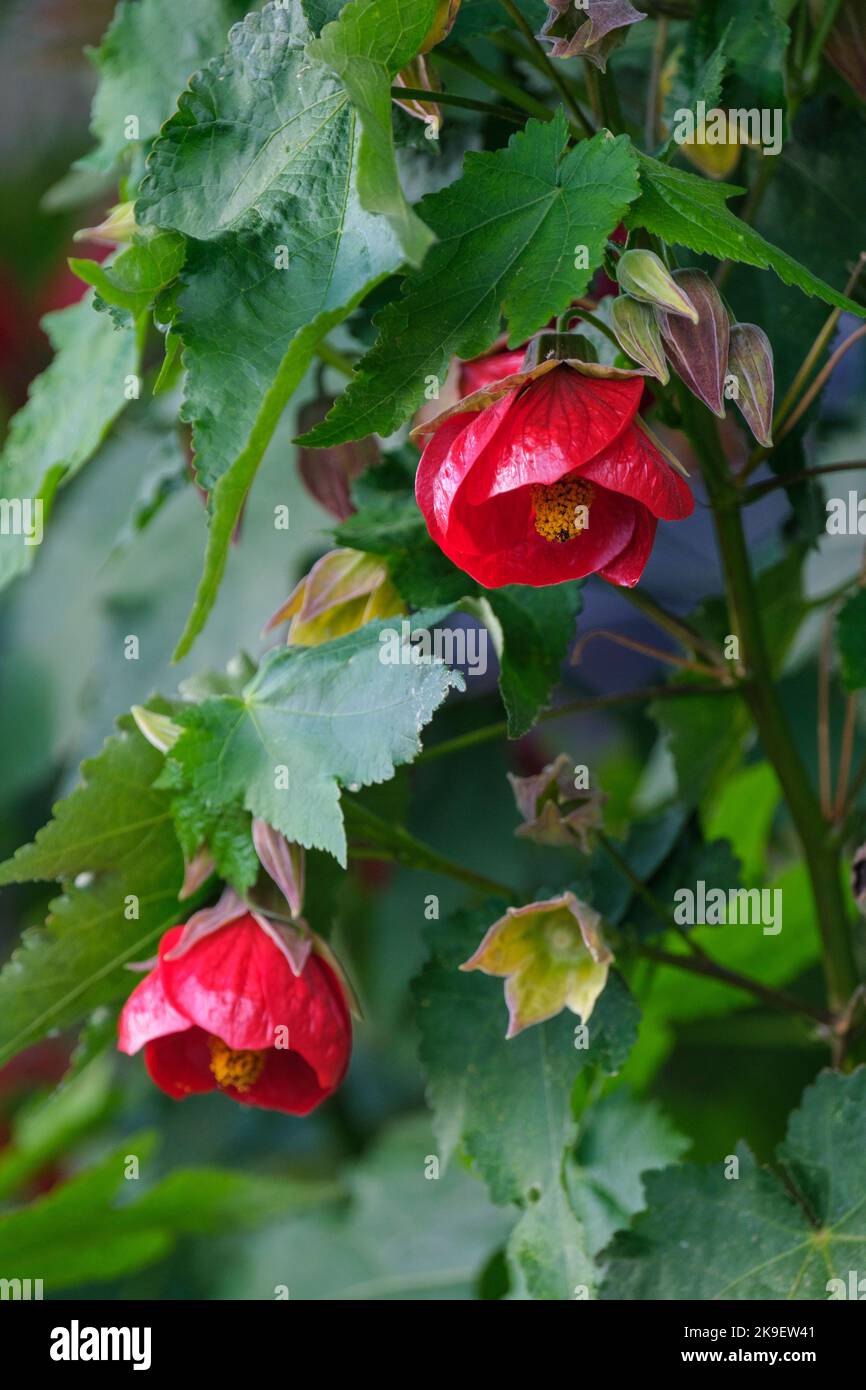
(343, 591)
(750, 362)
(698, 352)
(644, 276)
(591, 30)
(419, 75)
(329, 473)
(196, 872)
(637, 333)
(446, 15)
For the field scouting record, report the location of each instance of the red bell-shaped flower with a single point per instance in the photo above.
(548, 476)
(247, 1007)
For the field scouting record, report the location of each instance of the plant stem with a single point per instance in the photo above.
(392, 843)
(598, 323)
(653, 102)
(455, 58)
(819, 381)
(646, 650)
(677, 627)
(332, 358)
(487, 733)
(468, 103)
(820, 853)
(655, 904)
(551, 71)
(751, 494)
(703, 965)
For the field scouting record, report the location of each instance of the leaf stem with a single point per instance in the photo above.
(392, 843)
(487, 733)
(713, 970)
(467, 103)
(332, 358)
(551, 71)
(684, 633)
(655, 904)
(456, 58)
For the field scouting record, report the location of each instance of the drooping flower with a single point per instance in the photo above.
(548, 475)
(591, 30)
(343, 591)
(551, 956)
(555, 812)
(244, 1004)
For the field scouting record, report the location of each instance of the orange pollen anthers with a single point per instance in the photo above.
(238, 1069)
(561, 509)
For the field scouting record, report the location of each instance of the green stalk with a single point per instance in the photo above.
(820, 853)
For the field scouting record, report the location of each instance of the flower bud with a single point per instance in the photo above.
(446, 15)
(343, 591)
(638, 335)
(644, 276)
(160, 731)
(750, 362)
(117, 227)
(417, 74)
(327, 474)
(698, 352)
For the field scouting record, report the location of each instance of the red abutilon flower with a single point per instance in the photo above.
(548, 475)
(240, 1003)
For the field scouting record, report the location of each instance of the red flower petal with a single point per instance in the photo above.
(484, 371)
(629, 565)
(180, 1064)
(634, 467)
(147, 1013)
(237, 985)
(556, 424)
(287, 1083)
(536, 561)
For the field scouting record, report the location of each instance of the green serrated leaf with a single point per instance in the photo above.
(71, 407)
(518, 1148)
(145, 59)
(763, 1235)
(116, 830)
(134, 278)
(512, 233)
(691, 211)
(366, 47)
(82, 1233)
(537, 627)
(312, 720)
(281, 243)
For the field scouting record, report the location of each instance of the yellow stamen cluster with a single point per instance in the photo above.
(561, 509)
(239, 1069)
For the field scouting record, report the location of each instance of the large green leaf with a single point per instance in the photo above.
(520, 233)
(116, 831)
(149, 52)
(71, 407)
(537, 626)
(366, 48)
(763, 1234)
(283, 249)
(691, 211)
(409, 1231)
(334, 715)
(508, 1103)
(81, 1233)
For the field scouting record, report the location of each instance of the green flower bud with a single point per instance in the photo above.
(638, 335)
(644, 276)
